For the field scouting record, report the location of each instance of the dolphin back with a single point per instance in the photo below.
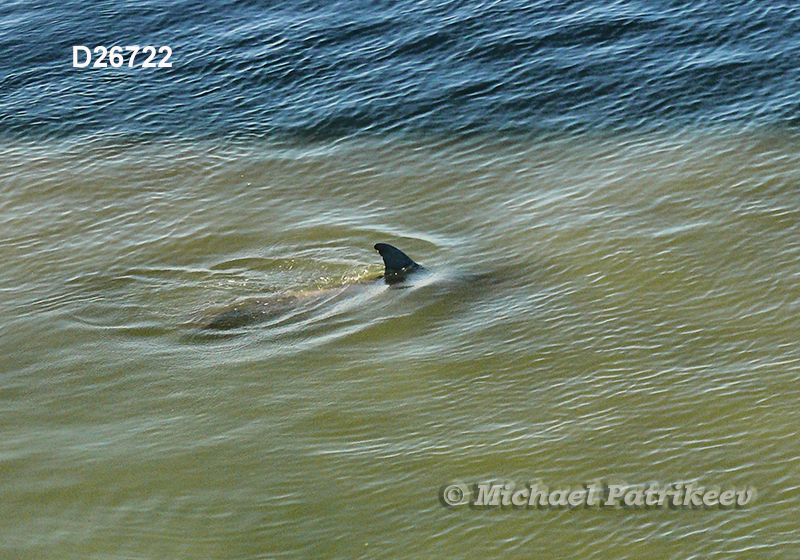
(397, 263)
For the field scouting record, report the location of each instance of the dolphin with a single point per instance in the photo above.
(398, 267)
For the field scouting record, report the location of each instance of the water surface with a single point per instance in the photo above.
(620, 307)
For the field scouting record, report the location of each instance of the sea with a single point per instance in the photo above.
(605, 196)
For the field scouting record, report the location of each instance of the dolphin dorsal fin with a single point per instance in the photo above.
(397, 263)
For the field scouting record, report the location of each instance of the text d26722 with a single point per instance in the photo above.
(116, 57)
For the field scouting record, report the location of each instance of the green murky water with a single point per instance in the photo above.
(612, 307)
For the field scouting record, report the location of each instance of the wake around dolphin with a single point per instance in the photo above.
(397, 268)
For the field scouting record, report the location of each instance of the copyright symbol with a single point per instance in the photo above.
(454, 495)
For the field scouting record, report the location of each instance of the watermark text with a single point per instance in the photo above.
(679, 495)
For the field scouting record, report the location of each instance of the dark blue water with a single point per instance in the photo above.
(322, 68)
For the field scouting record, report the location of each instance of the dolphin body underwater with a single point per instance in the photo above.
(398, 268)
